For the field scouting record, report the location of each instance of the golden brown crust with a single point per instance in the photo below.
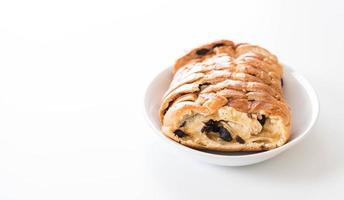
(241, 80)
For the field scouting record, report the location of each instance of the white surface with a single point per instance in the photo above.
(72, 77)
(299, 94)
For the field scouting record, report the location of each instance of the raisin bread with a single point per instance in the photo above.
(227, 97)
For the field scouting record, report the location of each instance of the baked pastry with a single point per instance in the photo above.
(226, 97)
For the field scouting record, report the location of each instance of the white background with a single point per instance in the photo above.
(72, 78)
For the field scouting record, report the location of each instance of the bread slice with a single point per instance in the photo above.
(227, 97)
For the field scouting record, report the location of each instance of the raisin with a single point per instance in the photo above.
(211, 123)
(206, 129)
(202, 52)
(200, 86)
(225, 135)
(282, 82)
(239, 139)
(262, 120)
(215, 128)
(179, 133)
(218, 45)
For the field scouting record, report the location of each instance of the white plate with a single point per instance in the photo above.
(298, 92)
